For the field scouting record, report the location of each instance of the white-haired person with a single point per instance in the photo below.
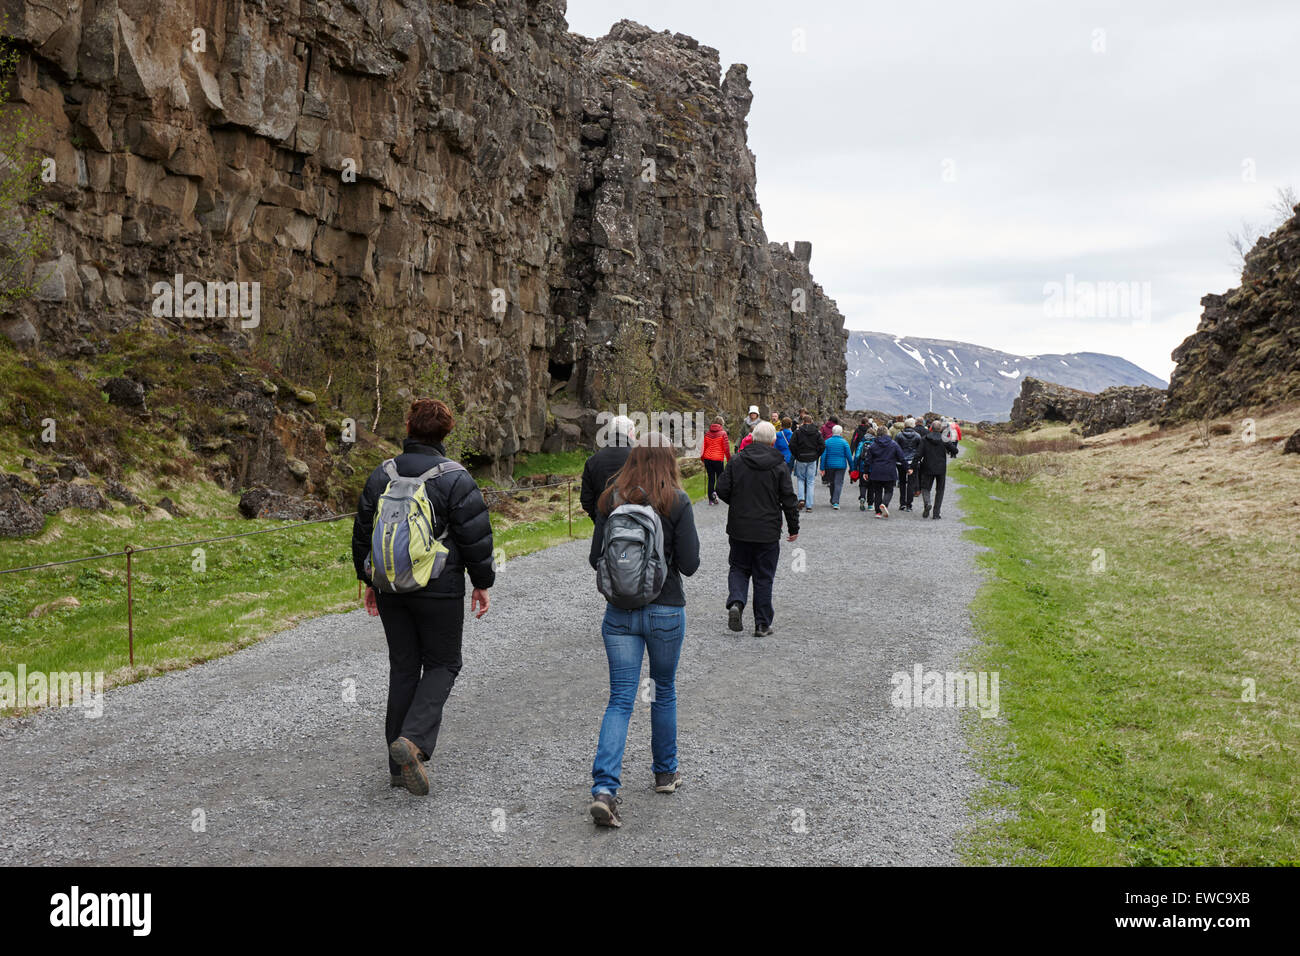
(756, 486)
(909, 443)
(613, 443)
(836, 458)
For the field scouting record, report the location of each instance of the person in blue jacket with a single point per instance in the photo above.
(782, 443)
(860, 465)
(835, 462)
(787, 432)
(883, 460)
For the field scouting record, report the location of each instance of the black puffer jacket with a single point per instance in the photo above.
(909, 441)
(807, 444)
(458, 508)
(757, 487)
(933, 454)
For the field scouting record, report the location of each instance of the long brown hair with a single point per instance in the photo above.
(649, 476)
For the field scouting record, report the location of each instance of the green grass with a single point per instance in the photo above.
(250, 587)
(1121, 689)
(561, 463)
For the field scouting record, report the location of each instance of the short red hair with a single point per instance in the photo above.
(429, 420)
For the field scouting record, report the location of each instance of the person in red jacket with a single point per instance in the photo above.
(715, 454)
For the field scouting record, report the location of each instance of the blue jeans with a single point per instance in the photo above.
(656, 630)
(805, 480)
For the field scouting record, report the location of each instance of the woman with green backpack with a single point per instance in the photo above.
(421, 523)
(643, 542)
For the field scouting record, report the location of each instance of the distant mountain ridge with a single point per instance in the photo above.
(900, 372)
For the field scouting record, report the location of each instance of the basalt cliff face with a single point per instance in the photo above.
(413, 185)
(1246, 351)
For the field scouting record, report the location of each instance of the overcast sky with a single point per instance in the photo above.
(949, 160)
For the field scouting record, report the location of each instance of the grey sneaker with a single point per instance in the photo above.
(407, 756)
(733, 617)
(604, 810)
(668, 782)
(763, 631)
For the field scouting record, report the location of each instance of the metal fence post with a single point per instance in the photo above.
(130, 623)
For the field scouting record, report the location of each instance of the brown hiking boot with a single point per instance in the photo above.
(668, 782)
(407, 756)
(604, 810)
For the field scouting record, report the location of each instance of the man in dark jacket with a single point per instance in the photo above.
(616, 441)
(756, 486)
(909, 442)
(423, 628)
(806, 449)
(932, 463)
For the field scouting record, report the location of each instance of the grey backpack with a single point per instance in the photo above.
(631, 569)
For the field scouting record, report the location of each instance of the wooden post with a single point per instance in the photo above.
(569, 487)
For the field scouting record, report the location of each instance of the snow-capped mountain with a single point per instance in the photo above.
(900, 373)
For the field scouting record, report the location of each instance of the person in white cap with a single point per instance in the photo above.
(747, 425)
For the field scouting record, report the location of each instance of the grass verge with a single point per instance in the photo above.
(1146, 658)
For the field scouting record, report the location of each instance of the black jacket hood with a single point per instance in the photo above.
(760, 457)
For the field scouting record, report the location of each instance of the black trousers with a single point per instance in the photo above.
(903, 498)
(939, 481)
(879, 493)
(714, 470)
(424, 658)
(757, 561)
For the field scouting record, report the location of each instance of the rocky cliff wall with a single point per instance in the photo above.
(417, 185)
(1245, 353)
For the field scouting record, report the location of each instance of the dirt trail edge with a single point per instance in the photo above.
(791, 749)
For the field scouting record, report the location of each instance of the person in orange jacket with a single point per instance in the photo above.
(715, 454)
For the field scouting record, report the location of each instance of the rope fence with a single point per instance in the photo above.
(129, 552)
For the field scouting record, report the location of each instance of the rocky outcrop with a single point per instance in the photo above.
(1046, 401)
(1119, 407)
(18, 519)
(363, 193)
(1245, 353)
(264, 503)
(1115, 407)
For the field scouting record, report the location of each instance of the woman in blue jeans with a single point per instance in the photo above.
(656, 630)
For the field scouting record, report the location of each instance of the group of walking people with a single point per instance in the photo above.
(911, 454)
(421, 525)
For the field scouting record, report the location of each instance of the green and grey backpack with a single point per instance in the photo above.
(404, 554)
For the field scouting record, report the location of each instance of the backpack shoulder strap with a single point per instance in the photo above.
(441, 468)
(390, 469)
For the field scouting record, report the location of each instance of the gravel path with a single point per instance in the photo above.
(791, 750)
